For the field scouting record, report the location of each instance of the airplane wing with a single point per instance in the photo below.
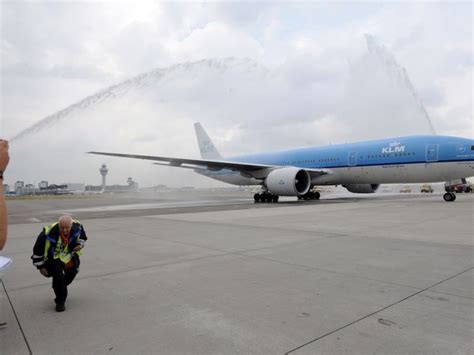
(213, 165)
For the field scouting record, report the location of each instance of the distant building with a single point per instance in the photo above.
(6, 188)
(75, 187)
(43, 185)
(28, 189)
(18, 186)
(131, 186)
(92, 188)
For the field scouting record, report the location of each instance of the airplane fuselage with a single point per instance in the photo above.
(413, 159)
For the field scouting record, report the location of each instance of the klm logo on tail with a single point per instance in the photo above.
(206, 147)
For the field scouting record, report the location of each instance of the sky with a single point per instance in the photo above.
(260, 76)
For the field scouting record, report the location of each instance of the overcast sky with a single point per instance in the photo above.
(258, 75)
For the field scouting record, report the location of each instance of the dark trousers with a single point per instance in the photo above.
(61, 277)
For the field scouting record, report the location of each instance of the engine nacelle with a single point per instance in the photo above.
(288, 181)
(362, 188)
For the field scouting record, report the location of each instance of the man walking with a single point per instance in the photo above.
(56, 254)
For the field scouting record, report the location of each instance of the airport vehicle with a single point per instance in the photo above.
(463, 188)
(458, 186)
(426, 189)
(405, 189)
(359, 167)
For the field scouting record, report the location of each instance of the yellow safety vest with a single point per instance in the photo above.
(60, 253)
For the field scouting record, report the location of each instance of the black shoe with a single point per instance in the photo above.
(60, 308)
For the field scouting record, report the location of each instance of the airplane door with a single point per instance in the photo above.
(431, 153)
(352, 159)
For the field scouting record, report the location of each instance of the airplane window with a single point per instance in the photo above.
(472, 147)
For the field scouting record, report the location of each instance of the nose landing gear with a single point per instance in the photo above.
(449, 196)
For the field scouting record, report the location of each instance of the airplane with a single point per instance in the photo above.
(359, 167)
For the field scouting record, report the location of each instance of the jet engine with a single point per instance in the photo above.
(362, 188)
(288, 181)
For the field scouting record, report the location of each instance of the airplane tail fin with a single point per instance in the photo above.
(207, 148)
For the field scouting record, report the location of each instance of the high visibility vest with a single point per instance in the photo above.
(58, 252)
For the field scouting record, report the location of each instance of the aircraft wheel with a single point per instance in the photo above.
(300, 197)
(256, 198)
(454, 196)
(449, 197)
(317, 195)
(275, 198)
(308, 196)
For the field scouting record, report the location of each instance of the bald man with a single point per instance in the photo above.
(56, 254)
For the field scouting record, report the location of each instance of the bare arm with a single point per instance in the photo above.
(3, 217)
(4, 158)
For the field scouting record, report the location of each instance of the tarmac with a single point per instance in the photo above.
(213, 273)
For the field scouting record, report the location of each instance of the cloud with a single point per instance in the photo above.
(300, 74)
(251, 107)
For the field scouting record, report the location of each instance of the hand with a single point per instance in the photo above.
(44, 272)
(4, 156)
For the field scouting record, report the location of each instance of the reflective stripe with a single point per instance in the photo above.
(38, 263)
(62, 254)
(48, 228)
(37, 256)
(49, 241)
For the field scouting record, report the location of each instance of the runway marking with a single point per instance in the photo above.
(378, 311)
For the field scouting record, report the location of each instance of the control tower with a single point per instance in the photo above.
(103, 171)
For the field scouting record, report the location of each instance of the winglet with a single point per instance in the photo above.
(207, 148)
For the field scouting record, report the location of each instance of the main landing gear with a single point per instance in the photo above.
(265, 197)
(449, 196)
(310, 195)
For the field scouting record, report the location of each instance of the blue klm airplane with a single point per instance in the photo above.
(359, 167)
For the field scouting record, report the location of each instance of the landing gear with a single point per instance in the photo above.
(265, 197)
(310, 195)
(449, 196)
